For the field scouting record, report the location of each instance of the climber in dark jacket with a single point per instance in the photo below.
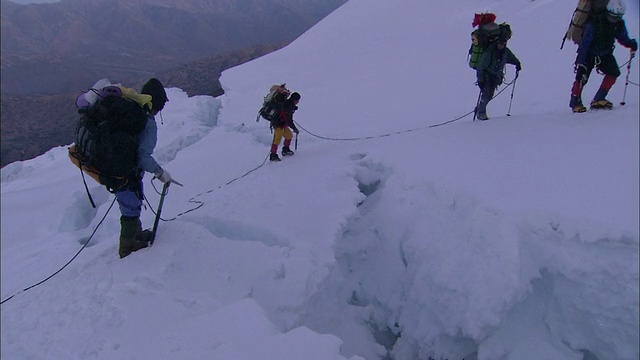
(490, 74)
(596, 50)
(282, 127)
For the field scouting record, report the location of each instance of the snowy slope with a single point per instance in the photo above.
(387, 235)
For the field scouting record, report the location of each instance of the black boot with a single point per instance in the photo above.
(274, 157)
(130, 229)
(482, 116)
(286, 151)
(145, 236)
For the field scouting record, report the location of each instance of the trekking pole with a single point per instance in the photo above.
(475, 110)
(513, 89)
(155, 223)
(296, 144)
(632, 54)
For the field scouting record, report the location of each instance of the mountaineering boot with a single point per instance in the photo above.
(130, 228)
(286, 151)
(144, 236)
(482, 116)
(599, 101)
(579, 108)
(602, 104)
(274, 157)
(576, 104)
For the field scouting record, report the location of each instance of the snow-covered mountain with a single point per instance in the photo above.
(401, 229)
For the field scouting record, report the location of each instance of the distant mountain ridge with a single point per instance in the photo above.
(52, 52)
(33, 124)
(54, 48)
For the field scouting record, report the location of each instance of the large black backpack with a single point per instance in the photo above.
(272, 103)
(107, 139)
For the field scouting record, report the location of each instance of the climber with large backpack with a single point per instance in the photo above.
(115, 138)
(278, 108)
(487, 33)
(490, 72)
(595, 41)
(283, 125)
(272, 103)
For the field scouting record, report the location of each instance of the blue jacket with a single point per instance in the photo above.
(599, 36)
(147, 142)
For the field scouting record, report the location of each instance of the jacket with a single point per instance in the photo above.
(491, 64)
(599, 36)
(147, 143)
(285, 117)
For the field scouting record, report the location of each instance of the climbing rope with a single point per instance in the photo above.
(402, 131)
(68, 262)
(199, 203)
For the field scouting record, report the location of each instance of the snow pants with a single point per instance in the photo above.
(278, 134)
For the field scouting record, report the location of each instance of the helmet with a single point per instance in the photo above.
(616, 8)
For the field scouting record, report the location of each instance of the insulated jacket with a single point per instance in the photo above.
(285, 117)
(491, 64)
(147, 140)
(599, 36)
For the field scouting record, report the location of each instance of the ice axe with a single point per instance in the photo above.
(155, 223)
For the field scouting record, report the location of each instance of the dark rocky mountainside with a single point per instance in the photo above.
(202, 77)
(57, 47)
(52, 52)
(33, 124)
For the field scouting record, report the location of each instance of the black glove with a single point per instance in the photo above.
(633, 45)
(518, 67)
(481, 85)
(295, 130)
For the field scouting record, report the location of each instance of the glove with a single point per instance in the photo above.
(163, 175)
(480, 85)
(518, 67)
(634, 45)
(295, 130)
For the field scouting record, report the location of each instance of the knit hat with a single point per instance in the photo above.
(295, 96)
(155, 88)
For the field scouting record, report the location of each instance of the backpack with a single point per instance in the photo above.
(486, 34)
(584, 10)
(107, 135)
(273, 102)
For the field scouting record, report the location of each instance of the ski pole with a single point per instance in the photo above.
(513, 89)
(296, 144)
(155, 223)
(626, 83)
(475, 110)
